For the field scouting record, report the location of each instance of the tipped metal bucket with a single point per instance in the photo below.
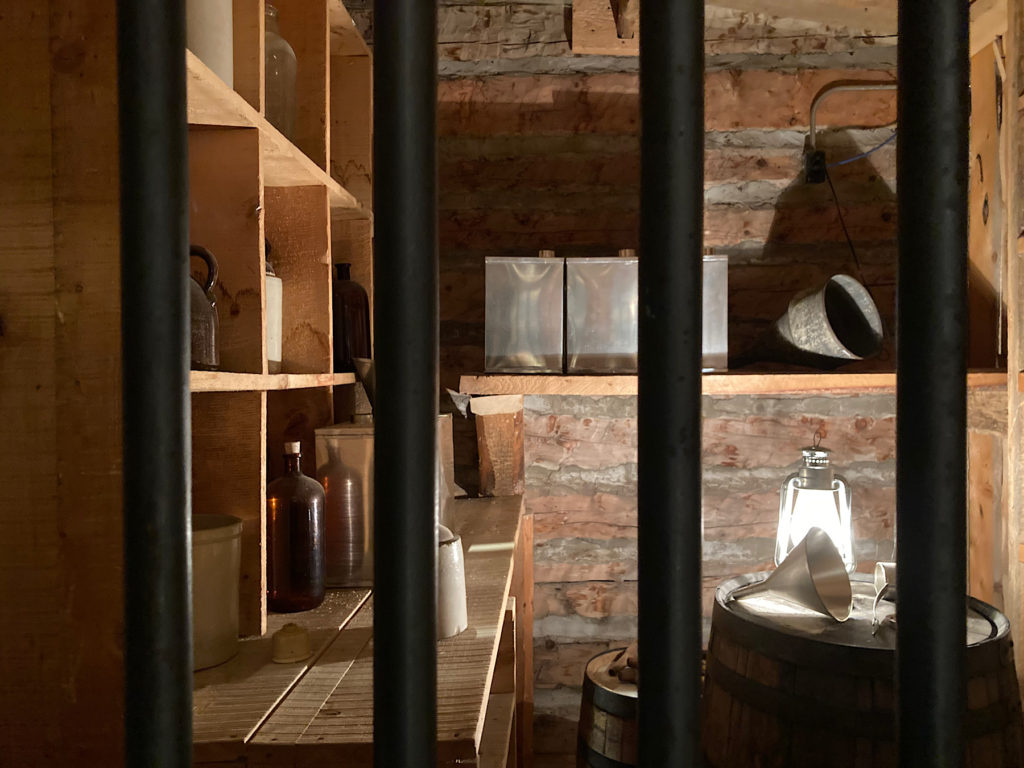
(828, 326)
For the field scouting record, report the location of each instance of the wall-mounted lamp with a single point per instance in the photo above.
(815, 496)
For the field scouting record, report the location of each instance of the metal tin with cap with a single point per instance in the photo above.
(524, 307)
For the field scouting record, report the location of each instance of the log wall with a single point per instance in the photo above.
(539, 149)
(552, 161)
(581, 474)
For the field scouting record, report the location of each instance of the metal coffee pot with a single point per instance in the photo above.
(205, 323)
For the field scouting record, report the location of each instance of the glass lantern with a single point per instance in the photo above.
(815, 496)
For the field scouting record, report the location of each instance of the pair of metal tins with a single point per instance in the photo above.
(579, 315)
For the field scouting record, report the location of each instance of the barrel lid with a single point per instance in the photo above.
(605, 690)
(598, 673)
(770, 610)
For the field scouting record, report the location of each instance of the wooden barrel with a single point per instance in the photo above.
(607, 733)
(789, 688)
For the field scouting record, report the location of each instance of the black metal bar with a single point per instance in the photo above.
(671, 238)
(931, 439)
(406, 344)
(155, 337)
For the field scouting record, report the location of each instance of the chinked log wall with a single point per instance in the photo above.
(581, 476)
(540, 149)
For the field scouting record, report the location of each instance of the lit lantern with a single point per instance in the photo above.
(815, 496)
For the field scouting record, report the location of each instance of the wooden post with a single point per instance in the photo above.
(499, 436)
(984, 518)
(522, 590)
(1015, 320)
(61, 654)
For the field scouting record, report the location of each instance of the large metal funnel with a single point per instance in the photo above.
(827, 326)
(813, 575)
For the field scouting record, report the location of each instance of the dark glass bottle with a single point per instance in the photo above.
(351, 320)
(295, 530)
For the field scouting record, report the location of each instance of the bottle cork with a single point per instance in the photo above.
(292, 448)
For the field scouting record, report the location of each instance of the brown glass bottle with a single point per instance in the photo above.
(351, 320)
(295, 530)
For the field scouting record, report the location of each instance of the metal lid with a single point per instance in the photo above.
(816, 456)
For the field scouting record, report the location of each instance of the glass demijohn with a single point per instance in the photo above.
(280, 70)
(815, 496)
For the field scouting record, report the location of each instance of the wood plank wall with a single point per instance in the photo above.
(61, 669)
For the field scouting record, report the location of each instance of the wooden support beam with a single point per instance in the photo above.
(499, 430)
(627, 18)
(984, 520)
(988, 21)
(878, 16)
(610, 27)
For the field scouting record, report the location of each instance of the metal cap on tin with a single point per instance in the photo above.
(546, 253)
(627, 253)
(293, 448)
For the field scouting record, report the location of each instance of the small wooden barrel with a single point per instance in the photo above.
(607, 734)
(789, 688)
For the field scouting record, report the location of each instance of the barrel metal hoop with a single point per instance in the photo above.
(800, 710)
(597, 760)
(607, 701)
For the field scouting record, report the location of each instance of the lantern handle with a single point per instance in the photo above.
(817, 438)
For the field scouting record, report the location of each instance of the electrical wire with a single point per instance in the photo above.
(862, 155)
(842, 222)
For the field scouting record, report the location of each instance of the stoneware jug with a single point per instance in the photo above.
(452, 615)
(204, 314)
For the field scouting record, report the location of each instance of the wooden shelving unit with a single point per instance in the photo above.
(220, 381)
(250, 185)
(250, 711)
(713, 384)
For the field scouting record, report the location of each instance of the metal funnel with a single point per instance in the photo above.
(827, 326)
(813, 575)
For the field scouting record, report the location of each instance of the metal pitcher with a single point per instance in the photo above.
(204, 314)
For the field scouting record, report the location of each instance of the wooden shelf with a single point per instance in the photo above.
(319, 710)
(345, 38)
(224, 381)
(211, 102)
(230, 701)
(497, 730)
(713, 384)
